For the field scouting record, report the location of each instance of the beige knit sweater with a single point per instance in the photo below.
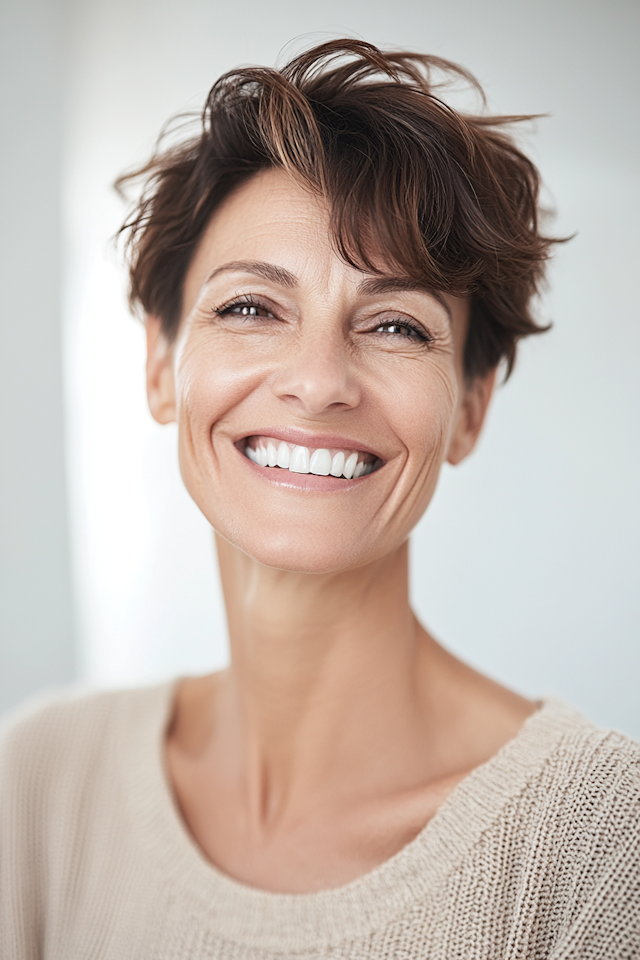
(535, 854)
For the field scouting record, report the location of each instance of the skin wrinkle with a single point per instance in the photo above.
(341, 724)
(437, 455)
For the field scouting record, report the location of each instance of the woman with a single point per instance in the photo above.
(331, 274)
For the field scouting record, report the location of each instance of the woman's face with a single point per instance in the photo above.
(286, 355)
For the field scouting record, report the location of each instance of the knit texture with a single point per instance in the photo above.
(536, 854)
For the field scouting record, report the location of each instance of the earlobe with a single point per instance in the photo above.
(161, 393)
(470, 417)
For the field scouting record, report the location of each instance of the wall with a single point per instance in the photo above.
(36, 613)
(527, 560)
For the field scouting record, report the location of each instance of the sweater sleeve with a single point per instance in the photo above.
(604, 922)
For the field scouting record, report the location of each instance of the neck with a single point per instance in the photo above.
(323, 669)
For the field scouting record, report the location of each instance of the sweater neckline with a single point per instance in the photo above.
(302, 921)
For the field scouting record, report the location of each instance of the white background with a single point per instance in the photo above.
(527, 562)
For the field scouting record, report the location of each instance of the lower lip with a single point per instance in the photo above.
(304, 481)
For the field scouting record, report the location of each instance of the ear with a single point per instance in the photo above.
(161, 392)
(470, 417)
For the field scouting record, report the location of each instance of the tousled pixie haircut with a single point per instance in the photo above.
(414, 187)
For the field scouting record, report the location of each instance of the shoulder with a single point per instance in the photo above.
(584, 780)
(593, 859)
(49, 716)
(64, 738)
(580, 833)
(590, 769)
(568, 804)
(69, 762)
(554, 822)
(65, 769)
(592, 789)
(561, 787)
(73, 713)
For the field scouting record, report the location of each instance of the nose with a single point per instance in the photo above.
(318, 377)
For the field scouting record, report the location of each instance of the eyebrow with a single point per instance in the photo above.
(269, 271)
(370, 287)
(378, 285)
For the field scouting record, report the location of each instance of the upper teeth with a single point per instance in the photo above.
(289, 456)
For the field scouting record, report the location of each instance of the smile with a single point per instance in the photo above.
(323, 462)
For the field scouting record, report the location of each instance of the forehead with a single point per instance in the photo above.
(274, 194)
(270, 217)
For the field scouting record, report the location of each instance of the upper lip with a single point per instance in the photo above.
(315, 441)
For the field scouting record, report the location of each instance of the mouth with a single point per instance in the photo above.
(345, 464)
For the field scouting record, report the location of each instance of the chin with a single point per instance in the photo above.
(299, 553)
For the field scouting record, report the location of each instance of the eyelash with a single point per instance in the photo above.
(243, 301)
(419, 331)
(246, 300)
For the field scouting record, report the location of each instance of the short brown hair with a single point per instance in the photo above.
(446, 197)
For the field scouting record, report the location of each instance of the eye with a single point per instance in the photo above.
(245, 308)
(403, 329)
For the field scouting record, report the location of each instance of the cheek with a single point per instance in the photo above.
(429, 412)
(425, 412)
(208, 385)
(421, 408)
(211, 379)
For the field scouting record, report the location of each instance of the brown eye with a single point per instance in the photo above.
(244, 310)
(405, 330)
